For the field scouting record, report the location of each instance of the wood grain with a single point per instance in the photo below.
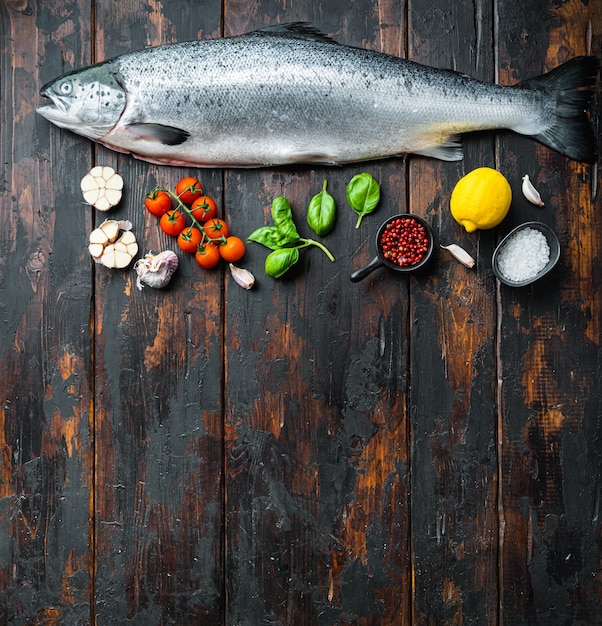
(452, 362)
(45, 476)
(550, 404)
(158, 392)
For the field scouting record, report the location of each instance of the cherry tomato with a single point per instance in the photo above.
(233, 250)
(189, 239)
(207, 255)
(188, 189)
(172, 223)
(204, 208)
(157, 202)
(216, 228)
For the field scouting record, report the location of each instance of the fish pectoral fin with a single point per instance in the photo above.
(449, 149)
(167, 135)
(312, 157)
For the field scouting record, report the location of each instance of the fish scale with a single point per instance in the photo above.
(288, 95)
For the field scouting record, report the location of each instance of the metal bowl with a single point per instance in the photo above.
(380, 261)
(553, 243)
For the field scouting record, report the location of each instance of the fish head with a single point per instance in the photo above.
(88, 102)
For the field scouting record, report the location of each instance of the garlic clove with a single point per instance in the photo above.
(96, 250)
(128, 237)
(242, 277)
(91, 196)
(98, 236)
(459, 254)
(530, 192)
(108, 256)
(119, 246)
(111, 229)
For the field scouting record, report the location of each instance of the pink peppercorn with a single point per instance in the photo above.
(404, 241)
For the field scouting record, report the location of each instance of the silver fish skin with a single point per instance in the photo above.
(289, 95)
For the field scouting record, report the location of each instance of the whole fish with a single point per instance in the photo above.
(288, 94)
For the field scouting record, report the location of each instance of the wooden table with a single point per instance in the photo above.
(420, 450)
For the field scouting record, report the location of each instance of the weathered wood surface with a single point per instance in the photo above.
(399, 451)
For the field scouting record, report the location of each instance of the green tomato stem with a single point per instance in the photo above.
(195, 222)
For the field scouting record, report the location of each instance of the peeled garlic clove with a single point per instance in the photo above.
(530, 192)
(111, 229)
(460, 254)
(108, 257)
(98, 236)
(242, 276)
(129, 243)
(105, 247)
(102, 187)
(156, 270)
(96, 250)
(127, 238)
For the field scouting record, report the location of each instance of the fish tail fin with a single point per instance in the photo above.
(571, 132)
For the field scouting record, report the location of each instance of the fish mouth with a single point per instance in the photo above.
(57, 112)
(57, 102)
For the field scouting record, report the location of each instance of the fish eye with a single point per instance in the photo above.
(66, 87)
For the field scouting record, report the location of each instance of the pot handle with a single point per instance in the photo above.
(364, 271)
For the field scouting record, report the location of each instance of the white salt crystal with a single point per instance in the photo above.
(524, 255)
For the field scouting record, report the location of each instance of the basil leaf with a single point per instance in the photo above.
(363, 195)
(269, 236)
(280, 261)
(321, 212)
(283, 219)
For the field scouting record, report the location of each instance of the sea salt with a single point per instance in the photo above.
(524, 255)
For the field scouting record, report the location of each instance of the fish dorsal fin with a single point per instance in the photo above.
(296, 30)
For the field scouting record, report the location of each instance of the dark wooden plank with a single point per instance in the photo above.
(550, 353)
(45, 279)
(158, 366)
(454, 466)
(316, 470)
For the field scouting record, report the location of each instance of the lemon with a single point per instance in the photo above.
(481, 199)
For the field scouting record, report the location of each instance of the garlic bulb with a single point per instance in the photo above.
(242, 276)
(530, 192)
(156, 270)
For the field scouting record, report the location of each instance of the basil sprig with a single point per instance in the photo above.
(363, 195)
(283, 239)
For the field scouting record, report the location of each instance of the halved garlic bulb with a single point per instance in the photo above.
(102, 187)
(110, 249)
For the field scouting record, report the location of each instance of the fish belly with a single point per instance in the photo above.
(255, 101)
